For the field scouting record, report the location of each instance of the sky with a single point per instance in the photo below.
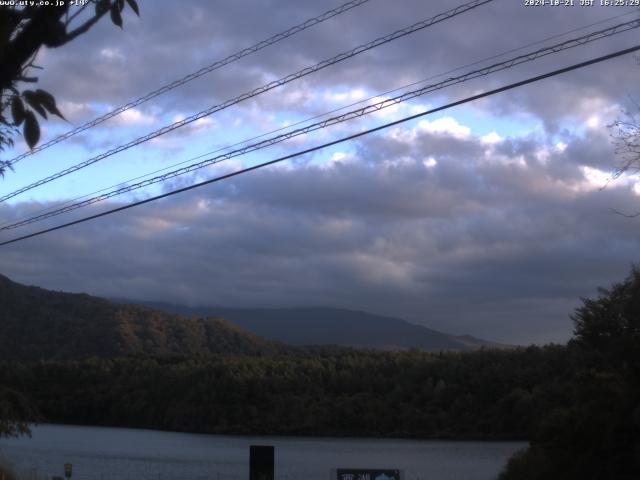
(492, 218)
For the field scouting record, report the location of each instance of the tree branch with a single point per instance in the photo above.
(80, 10)
(83, 28)
(626, 215)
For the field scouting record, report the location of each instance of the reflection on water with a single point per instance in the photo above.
(117, 453)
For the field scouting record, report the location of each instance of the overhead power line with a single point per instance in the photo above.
(334, 142)
(510, 63)
(320, 115)
(265, 88)
(192, 76)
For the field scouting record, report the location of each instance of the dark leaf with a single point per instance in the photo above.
(116, 18)
(31, 129)
(102, 6)
(17, 110)
(134, 6)
(34, 102)
(48, 102)
(120, 4)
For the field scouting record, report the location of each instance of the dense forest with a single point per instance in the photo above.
(324, 391)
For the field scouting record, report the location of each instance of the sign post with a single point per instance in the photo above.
(368, 474)
(261, 462)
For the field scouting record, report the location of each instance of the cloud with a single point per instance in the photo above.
(446, 125)
(134, 117)
(172, 39)
(497, 249)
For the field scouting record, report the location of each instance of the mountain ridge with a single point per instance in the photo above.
(334, 326)
(40, 324)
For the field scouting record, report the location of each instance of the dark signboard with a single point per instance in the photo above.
(367, 474)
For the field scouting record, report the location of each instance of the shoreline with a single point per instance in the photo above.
(327, 436)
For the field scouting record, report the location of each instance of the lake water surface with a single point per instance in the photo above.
(121, 453)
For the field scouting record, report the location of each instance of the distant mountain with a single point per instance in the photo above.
(41, 324)
(333, 326)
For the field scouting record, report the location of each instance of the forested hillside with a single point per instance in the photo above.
(321, 391)
(41, 324)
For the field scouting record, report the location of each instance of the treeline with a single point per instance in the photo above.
(592, 431)
(487, 394)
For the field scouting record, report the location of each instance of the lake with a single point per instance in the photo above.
(121, 453)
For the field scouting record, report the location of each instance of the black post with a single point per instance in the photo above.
(261, 462)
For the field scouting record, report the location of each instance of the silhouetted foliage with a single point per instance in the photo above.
(23, 31)
(593, 431)
(609, 326)
(626, 136)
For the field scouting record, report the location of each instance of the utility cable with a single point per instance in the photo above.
(192, 76)
(334, 142)
(320, 115)
(510, 63)
(265, 88)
